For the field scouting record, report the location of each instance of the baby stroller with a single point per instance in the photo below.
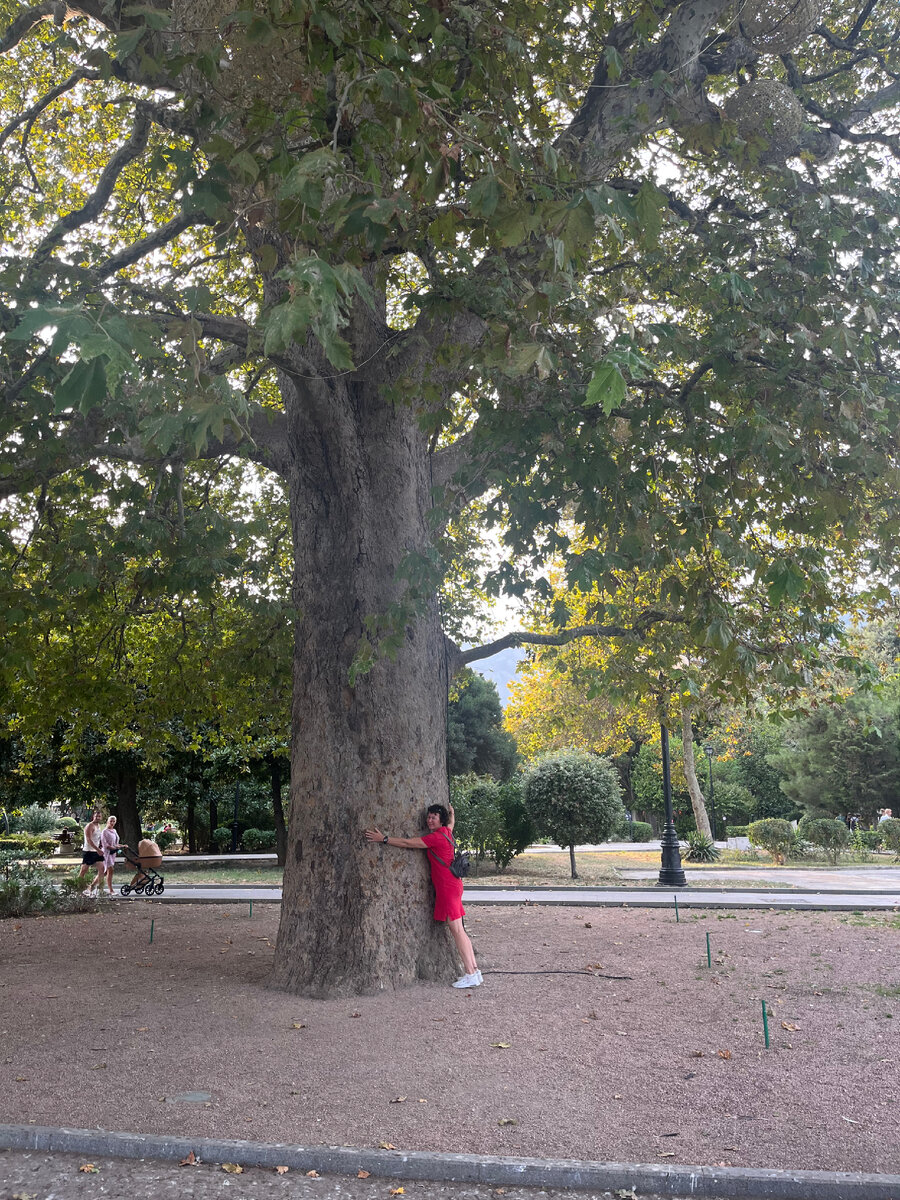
(147, 880)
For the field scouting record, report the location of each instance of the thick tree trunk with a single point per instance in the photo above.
(213, 820)
(356, 916)
(698, 803)
(192, 822)
(128, 820)
(276, 773)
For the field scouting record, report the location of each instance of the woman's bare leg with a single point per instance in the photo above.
(464, 946)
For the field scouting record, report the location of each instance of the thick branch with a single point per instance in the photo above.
(92, 209)
(637, 631)
(30, 19)
(161, 237)
(30, 115)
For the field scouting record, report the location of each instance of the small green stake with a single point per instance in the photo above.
(677, 918)
(708, 954)
(152, 923)
(251, 908)
(765, 1024)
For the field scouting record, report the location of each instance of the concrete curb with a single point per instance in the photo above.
(733, 1183)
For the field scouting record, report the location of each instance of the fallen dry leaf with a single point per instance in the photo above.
(24, 1196)
(791, 1028)
(190, 1161)
(142, 1029)
(362, 1174)
(386, 1146)
(626, 1194)
(282, 1170)
(298, 1025)
(507, 1121)
(312, 1174)
(399, 1100)
(421, 1101)
(499, 1191)
(724, 1053)
(397, 1191)
(232, 1168)
(21, 1079)
(89, 1169)
(696, 1054)
(667, 1154)
(500, 1045)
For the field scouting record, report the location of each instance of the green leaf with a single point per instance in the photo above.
(484, 196)
(245, 166)
(127, 43)
(607, 388)
(649, 205)
(83, 387)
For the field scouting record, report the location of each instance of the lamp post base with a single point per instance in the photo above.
(671, 873)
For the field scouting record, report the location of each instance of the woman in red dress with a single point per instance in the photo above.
(448, 890)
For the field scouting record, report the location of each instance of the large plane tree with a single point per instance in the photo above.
(628, 265)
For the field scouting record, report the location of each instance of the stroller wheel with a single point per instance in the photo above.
(125, 889)
(160, 888)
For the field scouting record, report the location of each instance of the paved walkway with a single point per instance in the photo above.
(850, 888)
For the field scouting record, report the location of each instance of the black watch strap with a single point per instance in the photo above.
(385, 839)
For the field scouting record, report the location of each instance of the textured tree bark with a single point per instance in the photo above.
(128, 819)
(357, 917)
(213, 819)
(276, 770)
(698, 803)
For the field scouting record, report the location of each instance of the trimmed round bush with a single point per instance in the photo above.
(641, 831)
(736, 830)
(572, 797)
(221, 838)
(890, 834)
(773, 834)
(826, 834)
(254, 841)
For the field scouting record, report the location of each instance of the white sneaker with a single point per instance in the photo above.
(468, 981)
(480, 978)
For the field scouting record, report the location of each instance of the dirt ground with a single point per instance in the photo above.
(598, 1034)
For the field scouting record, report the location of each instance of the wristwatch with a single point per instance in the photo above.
(385, 839)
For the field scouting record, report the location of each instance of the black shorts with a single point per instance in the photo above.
(90, 857)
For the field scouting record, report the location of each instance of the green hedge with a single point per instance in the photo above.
(641, 831)
(28, 842)
(254, 841)
(736, 830)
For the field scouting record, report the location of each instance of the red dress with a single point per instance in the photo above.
(448, 889)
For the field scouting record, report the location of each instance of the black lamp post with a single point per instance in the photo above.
(707, 750)
(671, 873)
(234, 821)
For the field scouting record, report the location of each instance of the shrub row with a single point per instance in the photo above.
(27, 843)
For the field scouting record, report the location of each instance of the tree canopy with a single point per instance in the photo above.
(632, 265)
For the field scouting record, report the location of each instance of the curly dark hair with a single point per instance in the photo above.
(441, 812)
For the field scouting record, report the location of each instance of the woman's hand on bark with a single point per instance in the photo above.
(374, 835)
